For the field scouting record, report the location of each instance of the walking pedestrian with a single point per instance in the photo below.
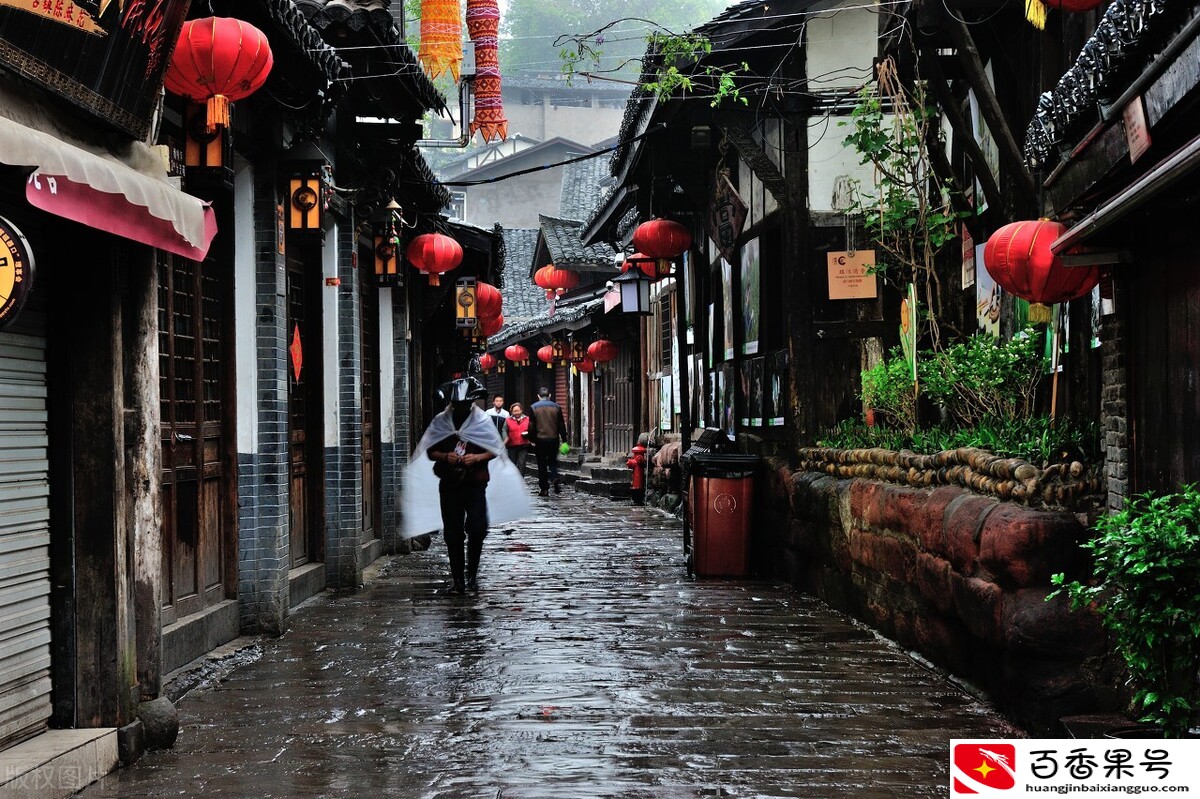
(518, 444)
(548, 429)
(499, 415)
(462, 451)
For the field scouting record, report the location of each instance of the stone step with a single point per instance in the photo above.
(610, 473)
(603, 488)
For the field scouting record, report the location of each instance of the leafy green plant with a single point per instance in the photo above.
(888, 388)
(983, 378)
(1146, 569)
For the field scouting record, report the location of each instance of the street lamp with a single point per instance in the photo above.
(635, 292)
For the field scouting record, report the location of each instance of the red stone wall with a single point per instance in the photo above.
(958, 577)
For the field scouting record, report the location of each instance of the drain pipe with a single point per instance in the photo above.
(466, 88)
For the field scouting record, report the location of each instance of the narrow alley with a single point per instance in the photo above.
(587, 666)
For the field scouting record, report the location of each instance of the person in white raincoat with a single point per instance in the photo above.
(461, 452)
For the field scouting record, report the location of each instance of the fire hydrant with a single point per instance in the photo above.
(637, 482)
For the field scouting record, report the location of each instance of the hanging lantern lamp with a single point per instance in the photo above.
(489, 300)
(602, 351)
(490, 326)
(483, 25)
(441, 38)
(517, 354)
(487, 362)
(546, 356)
(663, 240)
(434, 254)
(1018, 258)
(218, 60)
(587, 366)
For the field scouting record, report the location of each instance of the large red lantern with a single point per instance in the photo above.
(434, 253)
(1018, 258)
(218, 60)
(488, 300)
(602, 351)
(555, 280)
(546, 355)
(487, 362)
(642, 262)
(662, 238)
(587, 366)
(490, 325)
(517, 354)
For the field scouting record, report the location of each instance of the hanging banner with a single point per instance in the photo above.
(105, 56)
(726, 216)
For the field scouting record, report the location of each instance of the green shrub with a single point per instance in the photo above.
(985, 379)
(888, 388)
(1146, 590)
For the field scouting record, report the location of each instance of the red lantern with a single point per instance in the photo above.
(555, 280)
(1018, 258)
(662, 238)
(517, 354)
(490, 326)
(587, 366)
(602, 351)
(546, 355)
(434, 253)
(218, 60)
(488, 300)
(487, 362)
(1074, 6)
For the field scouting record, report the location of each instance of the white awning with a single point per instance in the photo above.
(127, 195)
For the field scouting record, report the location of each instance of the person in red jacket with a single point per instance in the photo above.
(517, 441)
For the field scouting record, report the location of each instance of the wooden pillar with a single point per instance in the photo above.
(143, 463)
(106, 666)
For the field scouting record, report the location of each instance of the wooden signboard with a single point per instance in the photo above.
(851, 275)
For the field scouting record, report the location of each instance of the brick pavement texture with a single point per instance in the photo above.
(588, 666)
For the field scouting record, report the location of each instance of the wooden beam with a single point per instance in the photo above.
(989, 106)
(936, 80)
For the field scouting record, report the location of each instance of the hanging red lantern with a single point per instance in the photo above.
(1074, 6)
(487, 362)
(555, 280)
(1018, 258)
(218, 60)
(662, 238)
(434, 253)
(490, 325)
(587, 366)
(602, 351)
(546, 355)
(488, 300)
(517, 354)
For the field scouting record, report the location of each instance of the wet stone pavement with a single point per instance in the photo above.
(587, 666)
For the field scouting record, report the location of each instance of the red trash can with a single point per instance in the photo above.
(720, 509)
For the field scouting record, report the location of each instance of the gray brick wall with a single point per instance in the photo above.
(1114, 407)
(343, 463)
(263, 555)
(395, 454)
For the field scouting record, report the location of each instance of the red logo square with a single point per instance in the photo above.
(982, 768)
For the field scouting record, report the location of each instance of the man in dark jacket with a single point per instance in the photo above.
(547, 429)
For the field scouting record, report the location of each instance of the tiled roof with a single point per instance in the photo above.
(578, 86)
(566, 247)
(564, 315)
(581, 187)
(523, 300)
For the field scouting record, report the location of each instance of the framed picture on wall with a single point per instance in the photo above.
(751, 269)
(756, 392)
(728, 390)
(744, 389)
(727, 297)
(774, 386)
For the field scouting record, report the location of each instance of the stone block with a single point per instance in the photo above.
(931, 579)
(930, 523)
(979, 604)
(963, 522)
(944, 641)
(883, 554)
(1021, 548)
(1036, 627)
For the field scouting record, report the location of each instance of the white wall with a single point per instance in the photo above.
(245, 293)
(387, 367)
(329, 344)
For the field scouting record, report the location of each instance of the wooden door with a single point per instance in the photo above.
(620, 391)
(369, 349)
(191, 317)
(305, 518)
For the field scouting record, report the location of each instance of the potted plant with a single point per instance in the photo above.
(1145, 587)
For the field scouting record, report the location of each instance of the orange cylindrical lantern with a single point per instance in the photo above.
(218, 60)
(602, 351)
(488, 300)
(487, 362)
(546, 355)
(517, 354)
(434, 253)
(490, 325)
(1018, 258)
(441, 38)
(662, 238)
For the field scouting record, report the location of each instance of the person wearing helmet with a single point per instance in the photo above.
(465, 441)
